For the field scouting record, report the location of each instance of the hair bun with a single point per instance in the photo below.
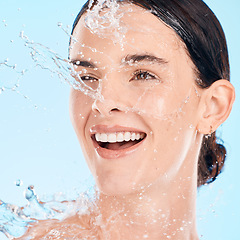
(211, 160)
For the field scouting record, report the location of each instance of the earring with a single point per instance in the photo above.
(210, 132)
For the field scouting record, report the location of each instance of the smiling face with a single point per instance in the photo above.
(143, 128)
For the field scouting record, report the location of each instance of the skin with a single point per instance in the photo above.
(149, 193)
(167, 159)
(156, 105)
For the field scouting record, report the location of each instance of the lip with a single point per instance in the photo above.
(113, 154)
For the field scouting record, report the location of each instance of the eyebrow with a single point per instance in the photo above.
(135, 58)
(129, 59)
(88, 64)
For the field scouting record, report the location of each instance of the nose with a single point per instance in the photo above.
(105, 107)
(110, 101)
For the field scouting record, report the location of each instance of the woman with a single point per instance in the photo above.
(157, 80)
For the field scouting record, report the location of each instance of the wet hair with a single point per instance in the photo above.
(204, 39)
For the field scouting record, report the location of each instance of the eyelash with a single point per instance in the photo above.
(89, 78)
(145, 75)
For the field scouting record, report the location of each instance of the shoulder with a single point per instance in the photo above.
(74, 227)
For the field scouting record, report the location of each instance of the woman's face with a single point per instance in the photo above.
(147, 89)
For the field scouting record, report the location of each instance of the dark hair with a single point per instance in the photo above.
(197, 26)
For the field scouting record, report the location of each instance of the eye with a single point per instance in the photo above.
(88, 78)
(143, 75)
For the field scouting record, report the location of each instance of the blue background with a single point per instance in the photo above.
(37, 142)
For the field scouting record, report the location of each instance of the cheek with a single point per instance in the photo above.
(156, 105)
(173, 140)
(167, 103)
(172, 119)
(79, 107)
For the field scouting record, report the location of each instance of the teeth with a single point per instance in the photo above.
(127, 136)
(118, 137)
(112, 138)
(138, 136)
(133, 136)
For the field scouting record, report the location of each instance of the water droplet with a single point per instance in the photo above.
(29, 193)
(18, 182)
(181, 228)
(187, 99)
(21, 35)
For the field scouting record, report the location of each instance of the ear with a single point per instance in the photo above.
(215, 106)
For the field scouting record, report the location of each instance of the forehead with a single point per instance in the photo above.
(131, 28)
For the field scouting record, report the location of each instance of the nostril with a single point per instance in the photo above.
(114, 109)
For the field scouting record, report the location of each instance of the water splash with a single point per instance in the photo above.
(47, 59)
(97, 20)
(13, 76)
(15, 220)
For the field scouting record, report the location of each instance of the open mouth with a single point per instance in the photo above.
(118, 140)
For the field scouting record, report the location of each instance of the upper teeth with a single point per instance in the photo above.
(118, 137)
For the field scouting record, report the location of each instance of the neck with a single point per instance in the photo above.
(152, 213)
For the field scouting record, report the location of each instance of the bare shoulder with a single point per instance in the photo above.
(74, 227)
